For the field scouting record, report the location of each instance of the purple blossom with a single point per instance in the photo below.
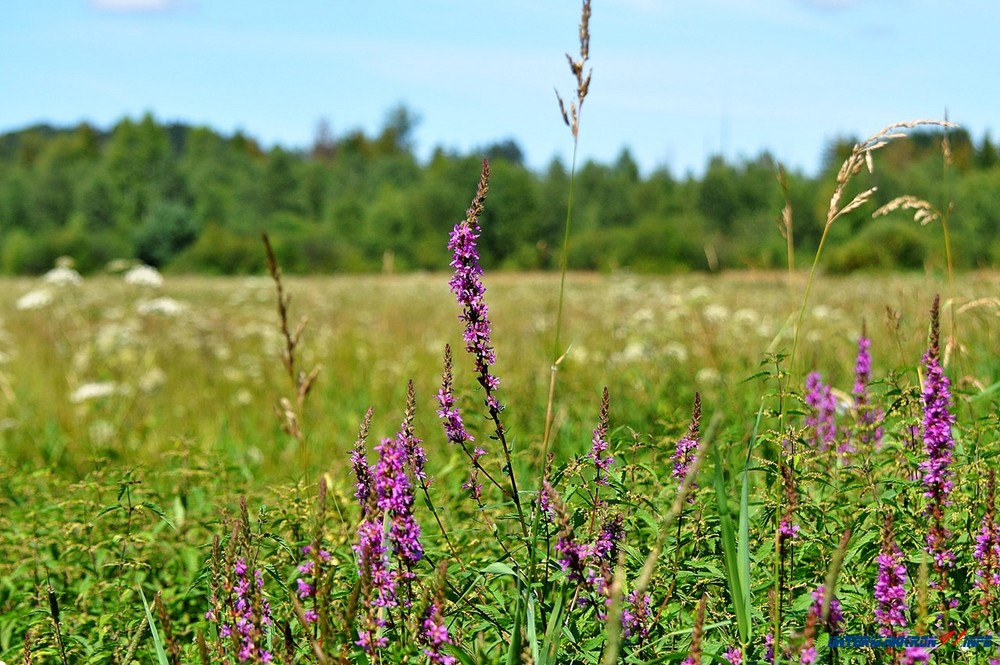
(938, 446)
(836, 615)
(890, 593)
(636, 615)
(599, 444)
(769, 652)
(612, 532)
(364, 480)
(434, 634)
(467, 286)
(914, 655)
(247, 613)
(787, 529)
(451, 417)
(378, 586)
(869, 417)
(733, 656)
(395, 496)
(819, 397)
(687, 446)
(987, 551)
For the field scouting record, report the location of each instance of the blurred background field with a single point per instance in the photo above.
(135, 372)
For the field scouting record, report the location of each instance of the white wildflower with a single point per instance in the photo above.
(707, 376)
(746, 318)
(699, 293)
(89, 391)
(152, 379)
(62, 276)
(633, 352)
(37, 299)
(166, 306)
(716, 314)
(676, 351)
(143, 275)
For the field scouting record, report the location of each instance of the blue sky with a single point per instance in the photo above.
(674, 81)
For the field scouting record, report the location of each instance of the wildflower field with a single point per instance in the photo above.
(148, 457)
(470, 466)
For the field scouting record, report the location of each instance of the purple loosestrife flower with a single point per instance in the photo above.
(938, 446)
(869, 417)
(249, 614)
(310, 571)
(819, 397)
(890, 593)
(914, 655)
(987, 551)
(365, 482)
(734, 656)
(454, 427)
(835, 616)
(807, 650)
(612, 532)
(769, 645)
(687, 446)
(636, 615)
(434, 634)
(467, 285)
(599, 444)
(572, 555)
(378, 586)
(395, 499)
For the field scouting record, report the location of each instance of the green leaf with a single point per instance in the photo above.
(161, 655)
(553, 633)
(514, 650)
(497, 568)
(729, 550)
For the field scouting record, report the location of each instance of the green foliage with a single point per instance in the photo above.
(153, 191)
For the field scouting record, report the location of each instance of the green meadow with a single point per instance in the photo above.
(136, 416)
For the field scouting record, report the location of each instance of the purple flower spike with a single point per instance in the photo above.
(890, 594)
(869, 416)
(734, 656)
(435, 635)
(987, 552)
(599, 445)
(824, 408)
(938, 446)
(636, 615)
(836, 614)
(687, 446)
(914, 655)
(467, 285)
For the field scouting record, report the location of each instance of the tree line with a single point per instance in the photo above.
(187, 198)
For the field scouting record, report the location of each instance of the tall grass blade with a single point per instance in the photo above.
(554, 631)
(733, 576)
(161, 655)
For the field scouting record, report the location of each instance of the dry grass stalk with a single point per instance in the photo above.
(302, 382)
(861, 157)
(572, 118)
(785, 220)
(925, 213)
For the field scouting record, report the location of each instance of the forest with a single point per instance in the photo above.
(190, 199)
